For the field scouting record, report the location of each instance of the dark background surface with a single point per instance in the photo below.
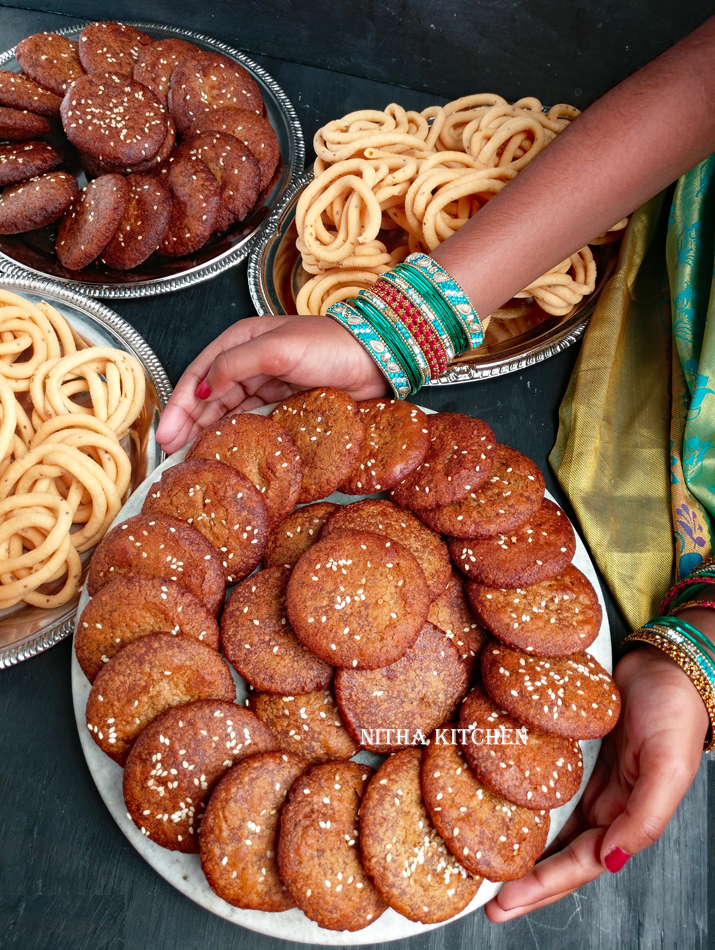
(69, 880)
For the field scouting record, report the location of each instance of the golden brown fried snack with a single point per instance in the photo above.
(308, 724)
(219, 502)
(260, 644)
(239, 834)
(260, 449)
(329, 432)
(382, 517)
(403, 852)
(178, 760)
(290, 539)
(159, 546)
(357, 599)
(319, 851)
(131, 607)
(147, 677)
(487, 834)
(385, 709)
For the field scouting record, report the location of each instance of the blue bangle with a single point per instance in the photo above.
(378, 349)
(452, 293)
(365, 297)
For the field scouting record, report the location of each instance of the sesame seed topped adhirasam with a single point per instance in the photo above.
(556, 617)
(487, 834)
(178, 760)
(535, 551)
(560, 695)
(397, 440)
(460, 458)
(319, 850)
(402, 850)
(357, 599)
(511, 493)
(327, 427)
(543, 772)
(239, 834)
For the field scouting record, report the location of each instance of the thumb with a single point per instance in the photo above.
(668, 763)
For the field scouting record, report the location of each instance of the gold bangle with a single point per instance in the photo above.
(690, 668)
(692, 603)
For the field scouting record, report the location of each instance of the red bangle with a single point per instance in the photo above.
(689, 581)
(417, 324)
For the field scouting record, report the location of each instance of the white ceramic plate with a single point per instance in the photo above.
(184, 872)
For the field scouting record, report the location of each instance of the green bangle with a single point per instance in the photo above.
(392, 340)
(662, 638)
(446, 285)
(685, 643)
(689, 632)
(374, 302)
(699, 580)
(451, 319)
(691, 587)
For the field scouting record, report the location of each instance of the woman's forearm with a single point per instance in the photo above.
(625, 148)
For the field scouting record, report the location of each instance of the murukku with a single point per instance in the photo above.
(65, 406)
(390, 183)
(566, 285)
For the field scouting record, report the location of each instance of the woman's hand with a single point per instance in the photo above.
(261, 360)
(645, 767)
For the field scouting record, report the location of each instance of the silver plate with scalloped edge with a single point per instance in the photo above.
(518, 336)
(34, 251)
(25, 630)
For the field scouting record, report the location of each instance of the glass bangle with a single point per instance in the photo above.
(704, 604)
(683, 637)
(394, 281)
(390, 333)
(439, 304)
(453, 345)
(684, 629)
(706, 666)
(686, 588)
(691, 669)
(416, 322)
(385, 313)
(454, 294)
(377, 348)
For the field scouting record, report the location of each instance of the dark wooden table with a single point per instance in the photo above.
(69, 880)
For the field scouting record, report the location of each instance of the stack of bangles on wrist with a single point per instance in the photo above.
(413, 321)
(691, 649)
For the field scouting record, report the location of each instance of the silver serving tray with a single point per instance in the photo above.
(34, 251)
(25, 630)
(518, 336)
(183, 871)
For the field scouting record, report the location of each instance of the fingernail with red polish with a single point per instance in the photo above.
(202, 390)
(615, 859)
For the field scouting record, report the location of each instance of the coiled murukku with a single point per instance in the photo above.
(389, 183)
(65, 406)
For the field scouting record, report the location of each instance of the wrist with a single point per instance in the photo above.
(412, 322)
(704, 619)
(674, 682)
